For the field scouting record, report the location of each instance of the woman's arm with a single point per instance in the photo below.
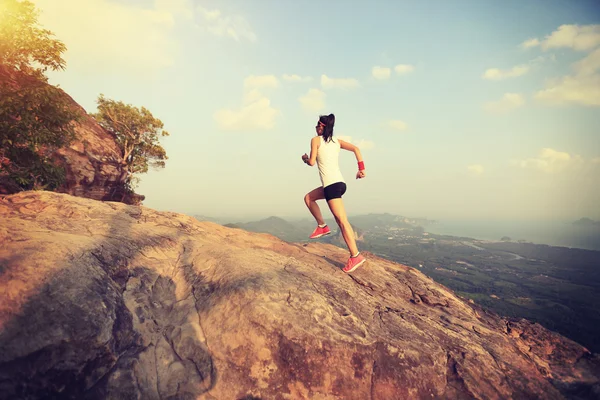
(350, 147)
(314, 146)
(361, 165)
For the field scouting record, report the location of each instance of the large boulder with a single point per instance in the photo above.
(102, 300)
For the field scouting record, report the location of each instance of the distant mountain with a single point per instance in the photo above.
(587, 222)
(337, 238)
(299, 230)
(371, 221)
(275, 226)
(209, 219)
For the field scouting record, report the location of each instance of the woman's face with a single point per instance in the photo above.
(320, 127)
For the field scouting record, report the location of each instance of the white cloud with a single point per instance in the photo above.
(313, 101)
(589, 65)
(542, 59)
(341, 83)
(582, 87)
(261, 81)
(577, 37)
(256, 113)
(550, 161)
(508, 102)
(296, 78)
(530, 43)
(404, 68)
(518, 70)
(233, 26)
(397, 125)
(497, 74)
(475, 169)
(137, 40)
(595, 160)
(252, 96)
(361, 144)
(578, 89)
(381, 72)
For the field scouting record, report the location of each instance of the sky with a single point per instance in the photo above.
(461, 109)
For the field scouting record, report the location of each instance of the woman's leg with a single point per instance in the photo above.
(339, 212)
(311, 202)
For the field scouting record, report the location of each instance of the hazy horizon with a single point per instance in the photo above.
(458, 114)
(553, 233)
(327, 215)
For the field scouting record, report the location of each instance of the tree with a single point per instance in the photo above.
(137, 133)
(35, 117)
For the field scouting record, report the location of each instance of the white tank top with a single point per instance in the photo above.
(327, 160)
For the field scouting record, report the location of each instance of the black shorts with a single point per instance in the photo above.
(334, 191)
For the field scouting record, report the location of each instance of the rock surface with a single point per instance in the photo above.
(104, 300)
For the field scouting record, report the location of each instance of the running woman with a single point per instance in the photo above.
(325, 150)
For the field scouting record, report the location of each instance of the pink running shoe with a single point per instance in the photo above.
(320, 232)
(354, 262)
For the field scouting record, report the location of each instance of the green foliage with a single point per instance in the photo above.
(25, 46)
(35, 117)
(137, 132)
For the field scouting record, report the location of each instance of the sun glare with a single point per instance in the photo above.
(7, 9)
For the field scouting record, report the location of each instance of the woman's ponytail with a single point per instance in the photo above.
(329, 122)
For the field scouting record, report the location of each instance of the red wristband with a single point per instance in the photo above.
(361, 165)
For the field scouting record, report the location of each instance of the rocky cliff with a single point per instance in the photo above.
(102, 300)
(91, 163)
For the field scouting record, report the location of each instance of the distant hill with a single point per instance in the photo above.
(296, 230)
(299, 230)
(587, 222)
(209, 219)
(370, 221)
(275, 226)
(336, 237)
